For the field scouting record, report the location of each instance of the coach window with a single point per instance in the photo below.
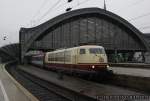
(82, 51)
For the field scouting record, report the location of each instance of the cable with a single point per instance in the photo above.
(138, 24)
(32, 21)
(62, 5)
(58, 1)
(133, 4)
(146, 27)
(139, 17)
(137, 2)
(80, 3)
(42, 5)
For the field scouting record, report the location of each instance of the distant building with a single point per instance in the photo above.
(147, 54)
(138, 57)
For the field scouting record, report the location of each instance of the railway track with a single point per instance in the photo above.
(43, 90)
(46, 90)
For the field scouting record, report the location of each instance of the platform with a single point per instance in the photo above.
(9, 91)
(132, 71)
(131, 65)
(85, 87)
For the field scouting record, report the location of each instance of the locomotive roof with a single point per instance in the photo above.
(91, 46)
(85, 46)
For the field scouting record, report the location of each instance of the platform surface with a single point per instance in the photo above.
(78, 85)
(132, 71)
(8, 90)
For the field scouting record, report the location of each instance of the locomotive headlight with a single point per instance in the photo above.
(108, 66)
(93, 66)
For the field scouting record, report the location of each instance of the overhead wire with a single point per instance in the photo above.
(132, 5)
(139, 17)
(137, 2)
(39, 10)
(51, 8)
(145, 23)
(62, 5)
(32, 21)
(55, 5)
(145, 27)
(80, 3)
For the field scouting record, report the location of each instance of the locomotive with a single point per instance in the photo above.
(87, 59)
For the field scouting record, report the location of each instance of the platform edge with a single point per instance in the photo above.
(24, 90)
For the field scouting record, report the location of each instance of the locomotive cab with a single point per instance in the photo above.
(92, 57)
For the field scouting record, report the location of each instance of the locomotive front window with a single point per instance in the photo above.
(82, 51)
(97, 51)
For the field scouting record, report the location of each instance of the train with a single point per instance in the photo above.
(87, 59)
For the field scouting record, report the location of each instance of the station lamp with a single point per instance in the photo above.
(4, 38)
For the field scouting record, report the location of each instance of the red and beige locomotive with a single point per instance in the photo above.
(82, 59)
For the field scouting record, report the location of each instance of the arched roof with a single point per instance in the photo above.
(39, 30)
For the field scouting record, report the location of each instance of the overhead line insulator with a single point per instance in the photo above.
(69, 1)
(68, 9)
